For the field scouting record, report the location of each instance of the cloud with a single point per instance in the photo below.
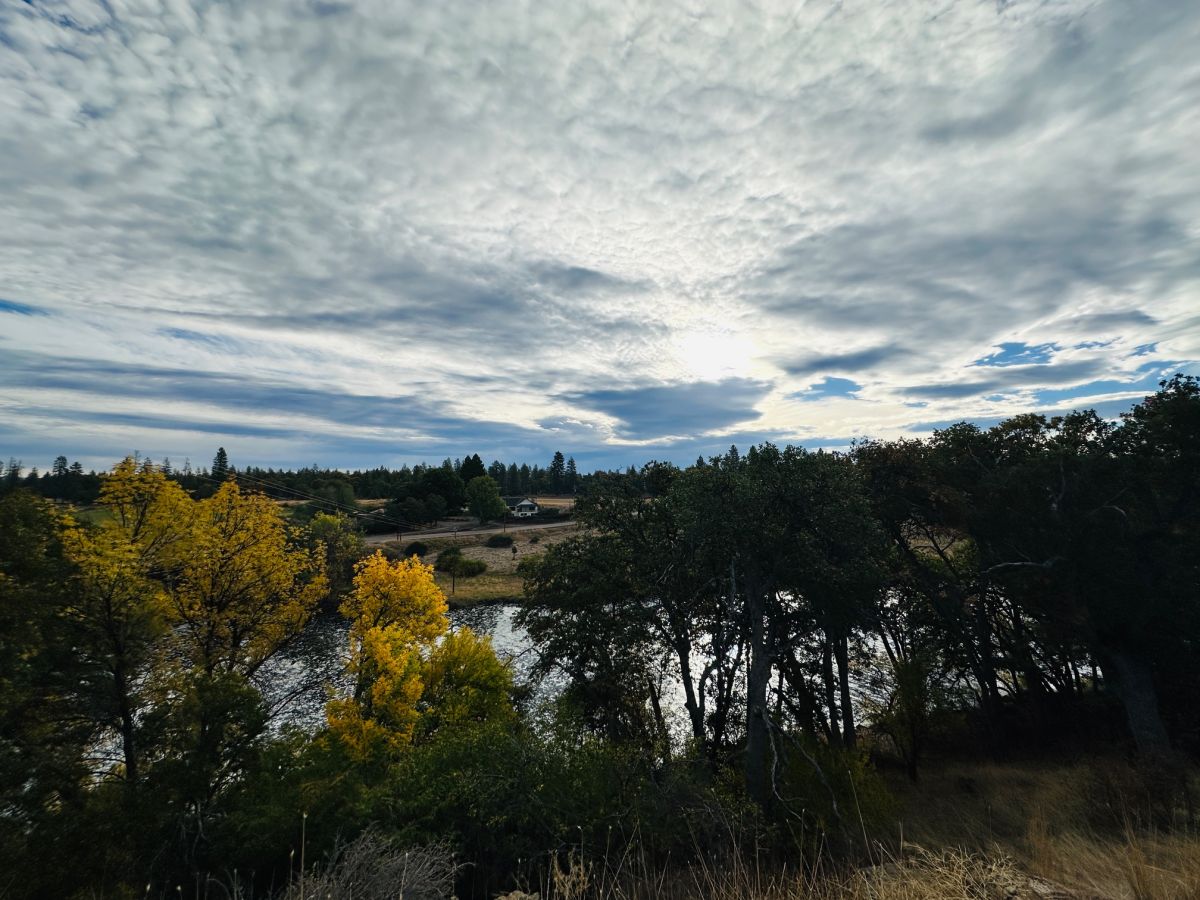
(367, 232)
(657, 411)
(855, 361)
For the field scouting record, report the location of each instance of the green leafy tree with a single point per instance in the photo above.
(444, 482)
(483, 499)
(340, 539)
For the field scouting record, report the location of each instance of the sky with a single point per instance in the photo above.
(370, 233)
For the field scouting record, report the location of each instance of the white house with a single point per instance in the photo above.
(521, 507)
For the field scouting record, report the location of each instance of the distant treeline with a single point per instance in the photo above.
(422, 482)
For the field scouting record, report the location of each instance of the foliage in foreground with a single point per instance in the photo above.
(736, 649)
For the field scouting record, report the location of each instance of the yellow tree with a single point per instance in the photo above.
(410, 674)
(396, 611)
(117, 605)
(244, 588)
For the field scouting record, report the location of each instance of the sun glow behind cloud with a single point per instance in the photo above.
(366, 233)
(713, 355)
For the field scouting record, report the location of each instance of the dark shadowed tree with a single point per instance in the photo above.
(472, 467)
(220, 465)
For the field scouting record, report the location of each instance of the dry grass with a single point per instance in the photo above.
(371, 868)
(918, 875)
(1058, 822)
(971, 832)
(567, 502)
(500, 583)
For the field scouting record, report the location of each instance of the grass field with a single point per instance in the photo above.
(500, 583)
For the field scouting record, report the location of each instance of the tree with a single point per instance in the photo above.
(244, 589)
(571, 482)
(45, 716)
(395, 611)
(340, 539)
(117, 611)
(472, 467)
(497, 472)
(483, 499)
(220, 466)
(444, 482)
(464, 682)
(557, 474)
(410, 677)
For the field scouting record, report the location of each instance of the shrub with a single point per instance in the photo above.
(469, 568)
(373, 868)
(416, 548)
(500, 540)
(447, 559)
(534, 538)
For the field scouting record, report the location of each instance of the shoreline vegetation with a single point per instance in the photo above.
(955, 668)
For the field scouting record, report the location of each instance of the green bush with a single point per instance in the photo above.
(534, 538)
(469, 568)
(416, 548)
(500, 540)
(448, 559)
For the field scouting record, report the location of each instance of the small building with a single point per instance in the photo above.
(521, 507)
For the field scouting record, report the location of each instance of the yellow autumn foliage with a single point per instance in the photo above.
(406, 680)
(244, 588)
(400, 595)
(146, 534)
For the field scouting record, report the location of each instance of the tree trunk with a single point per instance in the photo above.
(841, 649)
(835, 731)
(695, 708)
(128, 735)
(1134, 685)
(757, 678)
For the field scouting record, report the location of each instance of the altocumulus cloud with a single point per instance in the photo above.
(372, 232)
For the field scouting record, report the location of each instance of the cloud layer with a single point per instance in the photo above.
(372, 232)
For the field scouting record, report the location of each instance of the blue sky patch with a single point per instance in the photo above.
(830, 387)
(21, 309)
(1018, 354)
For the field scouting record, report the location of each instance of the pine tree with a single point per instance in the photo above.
(471, 468)
(220, 466)
(572, 482)
(557, 470)
(496, 472)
